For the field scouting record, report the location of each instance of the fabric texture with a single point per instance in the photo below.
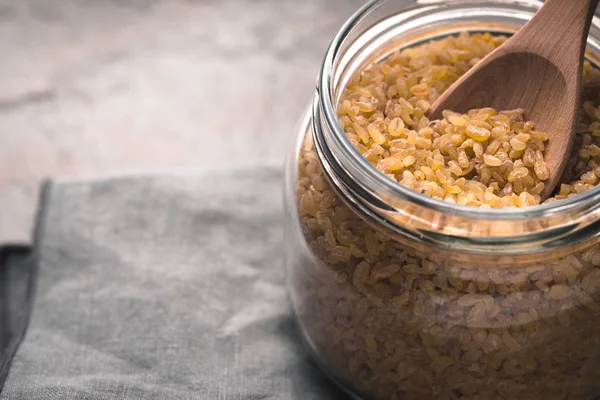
(165, 287)
(17, 276)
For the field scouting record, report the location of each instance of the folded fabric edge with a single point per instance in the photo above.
(270, 167)
(8, 252)
(11, 344)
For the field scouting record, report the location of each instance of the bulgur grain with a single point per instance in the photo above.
(405, 324)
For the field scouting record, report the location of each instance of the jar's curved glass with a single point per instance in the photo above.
(400, 296)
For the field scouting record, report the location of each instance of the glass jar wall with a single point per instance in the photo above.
(401, 296)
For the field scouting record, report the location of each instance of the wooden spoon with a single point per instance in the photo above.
(539, 70)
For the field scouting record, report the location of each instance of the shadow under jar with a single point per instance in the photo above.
(402, 296)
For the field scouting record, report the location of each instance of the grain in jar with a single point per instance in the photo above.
(396, 317)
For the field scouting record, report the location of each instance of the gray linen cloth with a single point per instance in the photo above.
(166, 287)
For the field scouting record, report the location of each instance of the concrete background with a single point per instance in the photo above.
(96, 87)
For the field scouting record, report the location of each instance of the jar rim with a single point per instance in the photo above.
(377, 179)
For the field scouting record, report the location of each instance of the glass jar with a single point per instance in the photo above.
(402, 296)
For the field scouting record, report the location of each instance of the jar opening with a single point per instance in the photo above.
(375, 31)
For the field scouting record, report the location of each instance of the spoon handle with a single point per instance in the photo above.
(559, 31)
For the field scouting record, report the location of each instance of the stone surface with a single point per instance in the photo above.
(96, 87)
